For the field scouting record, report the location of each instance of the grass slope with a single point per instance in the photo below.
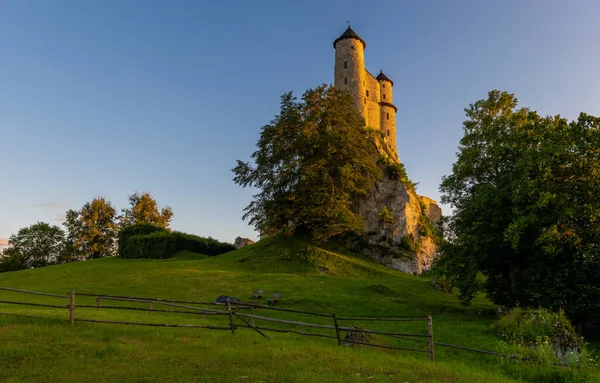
(309, 278)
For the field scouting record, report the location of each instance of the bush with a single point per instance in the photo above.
(397, 172)
(546, 337)
(206, 246)
(386, 215)
(426, 228)
(129, 231)
(528, 326)
(162, 244)
(155, 245)
(410, 244)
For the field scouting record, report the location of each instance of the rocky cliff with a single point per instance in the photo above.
(400, 226)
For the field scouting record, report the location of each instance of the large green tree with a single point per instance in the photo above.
(35, 246)
(73, 249)
(313, 160)
(526, 194)
(92, 231)
(143, 209)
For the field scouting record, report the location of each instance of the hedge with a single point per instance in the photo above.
(163, 244)
(140, 229)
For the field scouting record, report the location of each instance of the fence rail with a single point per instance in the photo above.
(231, 310)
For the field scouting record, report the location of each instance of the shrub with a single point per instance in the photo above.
(397, 172)
(130, 231)
(156, 245)
(202, 245)
(409, 243)
(426, 228)
(527, 326)
(548, 338)
(386, 215)
(162, 244)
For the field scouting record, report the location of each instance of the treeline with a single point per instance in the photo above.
(526, 196)
(97, 230)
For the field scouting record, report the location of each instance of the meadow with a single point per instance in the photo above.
(309, 278)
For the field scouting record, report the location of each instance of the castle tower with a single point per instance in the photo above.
(372, 95)
(349, 72)
(388, 111)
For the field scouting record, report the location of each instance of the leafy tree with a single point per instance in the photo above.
(92, 231)
(145, 210)
(312, 161)
(526, 193)
(73, 250)
(35, 246)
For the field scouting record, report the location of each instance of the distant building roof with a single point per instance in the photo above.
(381, 77)
(350, 34)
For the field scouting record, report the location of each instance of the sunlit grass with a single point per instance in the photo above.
(52, 350)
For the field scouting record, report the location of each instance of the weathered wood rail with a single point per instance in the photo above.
(231, 310)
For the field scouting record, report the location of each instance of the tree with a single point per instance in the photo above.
(92, 231)
(73, 250)
(145, 210)
(312, 161)
(526, 193)
(35, 246)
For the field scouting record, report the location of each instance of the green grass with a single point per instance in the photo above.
(310, 278)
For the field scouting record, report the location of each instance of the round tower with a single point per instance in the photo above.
(388, 111)
(349, 72)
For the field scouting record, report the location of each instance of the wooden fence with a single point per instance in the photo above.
(239, 311)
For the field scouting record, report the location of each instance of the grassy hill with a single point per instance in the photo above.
(309, 278)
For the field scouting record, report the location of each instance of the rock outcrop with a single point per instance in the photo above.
(399, 226)
(242, 242)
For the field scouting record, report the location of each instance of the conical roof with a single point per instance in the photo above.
(350, 34)
(381, 77)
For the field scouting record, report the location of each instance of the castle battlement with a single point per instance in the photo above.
(372, 95)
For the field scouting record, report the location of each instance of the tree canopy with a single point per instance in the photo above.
(35, 246)
(92, 231)
(526, 194)
(313, 159)
(143, 209)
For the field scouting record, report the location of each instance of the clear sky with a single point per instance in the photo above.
(103, 98)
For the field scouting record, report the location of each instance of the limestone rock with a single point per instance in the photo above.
(242, 242)
(432, 210)
(394, 228)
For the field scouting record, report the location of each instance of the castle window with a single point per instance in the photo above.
(387, 115)
(345, 64)
(388, 133)
(346, 81)
(367, 93)
(383, 86)
(352, 46)
(384, 96)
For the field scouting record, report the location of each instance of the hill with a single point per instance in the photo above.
(309, 278)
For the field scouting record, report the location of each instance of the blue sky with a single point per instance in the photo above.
(103, 98)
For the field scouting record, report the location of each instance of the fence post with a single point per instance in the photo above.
(97, 303)
(431, 352)
(230, 316)
(72, 308)
(337, 330)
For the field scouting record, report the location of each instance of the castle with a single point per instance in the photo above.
(373, 101)
(372, 95)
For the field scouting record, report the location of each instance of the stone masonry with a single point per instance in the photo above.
(372, 95)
